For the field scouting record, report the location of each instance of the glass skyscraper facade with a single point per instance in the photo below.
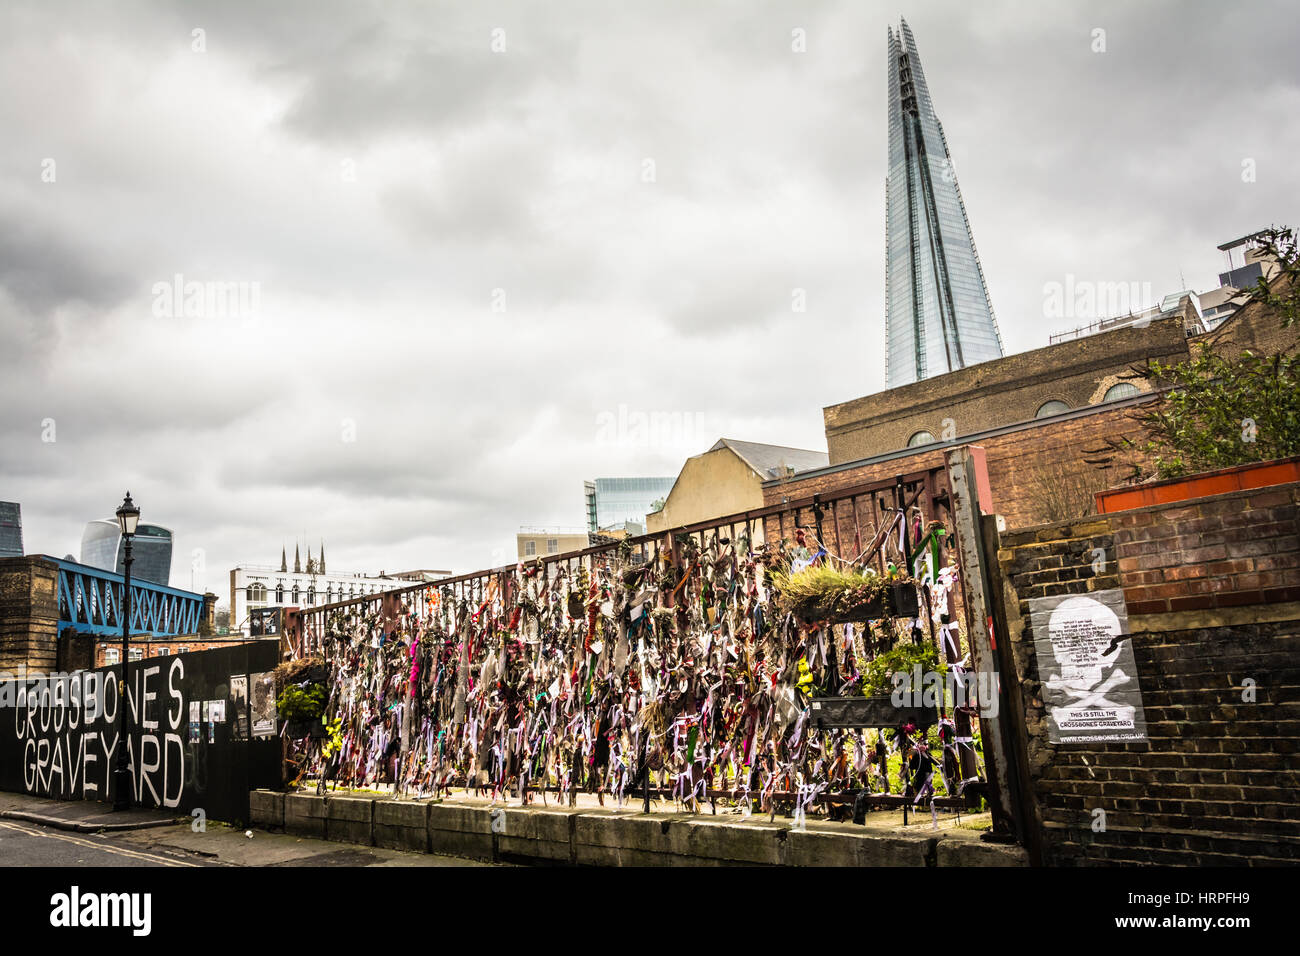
(11, 530)
(937, 312)
(612, 501)
(151, 550)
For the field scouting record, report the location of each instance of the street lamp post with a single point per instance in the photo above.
(128, 519)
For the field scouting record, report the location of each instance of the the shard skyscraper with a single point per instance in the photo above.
(938, 317)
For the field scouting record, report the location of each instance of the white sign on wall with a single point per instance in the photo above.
(1086, 665)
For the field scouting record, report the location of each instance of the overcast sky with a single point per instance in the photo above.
(477, 230)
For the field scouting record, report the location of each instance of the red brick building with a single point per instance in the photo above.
(1037, 457)
(108, 650)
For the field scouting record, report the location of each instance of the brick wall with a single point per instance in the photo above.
(1224, 551)
(1037, 473)
(1000, 392)
(1217, 780)
(163, 646)
(29, 615)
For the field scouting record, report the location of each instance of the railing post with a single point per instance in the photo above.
(645, 732)
(968, 478)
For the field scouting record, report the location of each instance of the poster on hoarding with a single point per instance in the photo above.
(263, 704)
(239, 707)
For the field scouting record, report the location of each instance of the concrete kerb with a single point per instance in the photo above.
(965, 848)
(350, 819)
(304, 815)
(538, 834)
(84, 826)
(587, 837)
(830, 844)
(401, 825)
(266, 809)
(460, 830)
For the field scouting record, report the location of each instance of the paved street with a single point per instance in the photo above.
(26, 843)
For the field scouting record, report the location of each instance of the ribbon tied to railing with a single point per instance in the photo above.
(806, 795)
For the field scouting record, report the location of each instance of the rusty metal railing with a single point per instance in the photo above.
(850, 523)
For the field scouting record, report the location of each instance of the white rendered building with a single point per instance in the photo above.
(253, 587)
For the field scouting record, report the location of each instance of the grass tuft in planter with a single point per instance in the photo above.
(840, 595)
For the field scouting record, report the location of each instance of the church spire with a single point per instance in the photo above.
(322, 556)
(284, 562)
(297, 560)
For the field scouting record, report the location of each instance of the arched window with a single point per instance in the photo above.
(920, 438)
(295, 594)
(1053, 407)
(257, 593)
(311, 596)
(1121, 390)
(279, 594)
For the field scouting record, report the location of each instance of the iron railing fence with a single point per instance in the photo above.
(871, 523)
(856, 524)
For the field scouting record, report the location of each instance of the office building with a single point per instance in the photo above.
(1247, 264)
(613, 502)
(254, 588)
(151, 550)
(11, 529)
(938, 317)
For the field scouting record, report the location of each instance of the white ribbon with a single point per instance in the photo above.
(807, 794)
(950, 648)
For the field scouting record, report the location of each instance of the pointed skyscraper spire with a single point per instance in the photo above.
(938, 317)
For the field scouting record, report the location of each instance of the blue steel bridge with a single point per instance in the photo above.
(90, 601)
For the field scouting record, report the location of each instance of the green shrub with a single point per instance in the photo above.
(302, 702)
(903, 657)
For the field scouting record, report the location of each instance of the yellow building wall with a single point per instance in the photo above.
(711, 485)
(566, 542)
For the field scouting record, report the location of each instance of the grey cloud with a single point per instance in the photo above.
(488, 190)
(44, 269)
(426, 90)
(522, 171)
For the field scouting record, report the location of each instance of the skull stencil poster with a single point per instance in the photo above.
(1086, 665)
